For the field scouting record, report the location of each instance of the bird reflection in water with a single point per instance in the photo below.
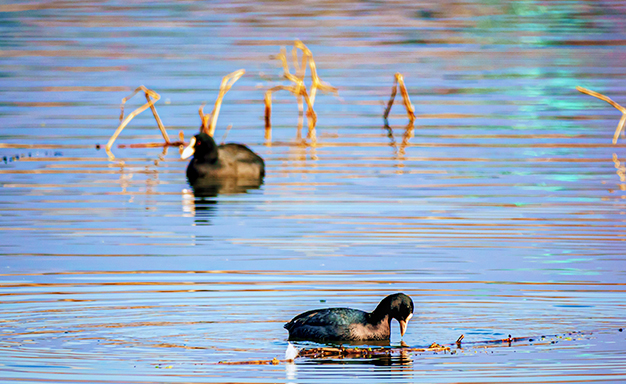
(200, 202)
(219, 169)
(400, 362)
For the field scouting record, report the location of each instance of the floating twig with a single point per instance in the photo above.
(398, 82)
(365, 352)
(298, 88)
(341, 352)
(357, 352)
(622, 121)
(274, 361)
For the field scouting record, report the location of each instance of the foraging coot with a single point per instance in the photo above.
(336, 324)
(212, 161)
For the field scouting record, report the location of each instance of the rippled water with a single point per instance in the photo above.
(503, 214)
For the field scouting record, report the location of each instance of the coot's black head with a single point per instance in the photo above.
(202, 147)
(399, 306)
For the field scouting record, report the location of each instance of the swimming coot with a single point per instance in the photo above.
(336, 324)
(211, 161)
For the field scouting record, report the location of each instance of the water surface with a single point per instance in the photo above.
(504, 213)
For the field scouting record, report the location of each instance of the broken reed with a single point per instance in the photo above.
(398, 82)
(298, 88)
(227, 82)
(151, 97)
(209, 121)
(622, 121)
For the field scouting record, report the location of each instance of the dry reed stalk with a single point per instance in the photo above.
(204, 118)
(398, 82)
(268, 113)
(227, 82)
(622, 121)
(151, 97)
(209, 121)
(298, 89)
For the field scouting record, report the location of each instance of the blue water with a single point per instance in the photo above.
(503, 214)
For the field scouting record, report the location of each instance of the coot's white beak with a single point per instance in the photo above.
(403, 324)
(189, 150)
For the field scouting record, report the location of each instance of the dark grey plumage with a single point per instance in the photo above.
(211, 161)
(337, 324)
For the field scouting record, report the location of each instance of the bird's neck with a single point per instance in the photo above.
(380, 330)
(379, 316)
(209, 157)
(381, 313)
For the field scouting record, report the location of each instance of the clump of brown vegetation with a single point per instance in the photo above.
(302, 58)
(209, 121)
(298, 88)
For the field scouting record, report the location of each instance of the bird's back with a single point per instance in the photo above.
(233, 161)
(247, 163)
(325, 324)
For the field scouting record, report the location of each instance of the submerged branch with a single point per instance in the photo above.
(364, 352)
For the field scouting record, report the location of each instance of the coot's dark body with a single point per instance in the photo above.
(337, 324)
(212, 162)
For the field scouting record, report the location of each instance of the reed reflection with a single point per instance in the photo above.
(400, 150)
(146, 178)
(620, 169)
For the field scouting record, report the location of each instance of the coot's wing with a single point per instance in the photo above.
(329, 317)
(239, 157)
(241, 153)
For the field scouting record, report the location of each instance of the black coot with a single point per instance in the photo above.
(337, 324)
(214, 164)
